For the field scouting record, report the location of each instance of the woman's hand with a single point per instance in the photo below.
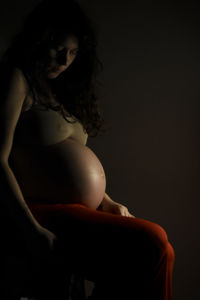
(108, 205)
(41, 243)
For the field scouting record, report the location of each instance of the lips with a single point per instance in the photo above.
(55, 70)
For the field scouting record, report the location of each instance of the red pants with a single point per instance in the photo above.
(126, 258)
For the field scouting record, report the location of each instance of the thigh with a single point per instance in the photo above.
(97, 244)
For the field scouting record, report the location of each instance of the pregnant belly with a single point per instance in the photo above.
(67, 172)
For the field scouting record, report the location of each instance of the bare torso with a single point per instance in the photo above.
(46, 127)
(51, 161)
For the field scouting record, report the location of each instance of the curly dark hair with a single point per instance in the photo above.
(75, 88)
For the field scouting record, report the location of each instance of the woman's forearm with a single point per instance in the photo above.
(106, 200)
(13, 203)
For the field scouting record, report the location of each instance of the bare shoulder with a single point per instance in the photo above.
(11, 102)
(17, 77)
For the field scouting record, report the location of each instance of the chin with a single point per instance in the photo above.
(55, 74)
(52, 75)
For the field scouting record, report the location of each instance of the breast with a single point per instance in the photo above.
(67, 172)
(39, 126)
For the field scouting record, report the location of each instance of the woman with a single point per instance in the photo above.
(53, 185)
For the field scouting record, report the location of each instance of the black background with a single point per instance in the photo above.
(150, 100)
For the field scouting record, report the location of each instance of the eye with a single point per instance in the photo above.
(74, 52)
(59, 49)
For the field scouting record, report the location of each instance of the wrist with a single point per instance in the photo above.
(106, 201)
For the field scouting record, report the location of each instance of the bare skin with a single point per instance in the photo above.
(40, 241)
(47, 128)
(66, 50)
(55, 160)
(52, 129)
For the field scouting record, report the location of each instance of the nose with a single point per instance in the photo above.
(62, 57)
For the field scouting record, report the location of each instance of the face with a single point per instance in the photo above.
(62, 56)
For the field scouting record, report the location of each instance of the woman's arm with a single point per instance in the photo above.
(10, 109)
(11, 198)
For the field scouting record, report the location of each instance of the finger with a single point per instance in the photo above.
(131, 216)
(127, 214)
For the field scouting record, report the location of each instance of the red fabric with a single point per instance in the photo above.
(127, 258)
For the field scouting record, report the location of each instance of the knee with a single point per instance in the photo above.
(153, 246)
(171, 253)
(156, 239)
(159, 235)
